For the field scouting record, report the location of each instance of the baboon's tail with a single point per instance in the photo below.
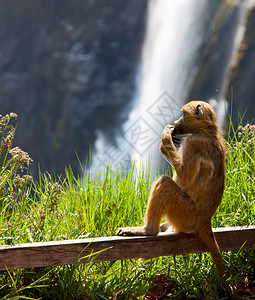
(208, 237)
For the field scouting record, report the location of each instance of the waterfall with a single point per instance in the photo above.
(174, 34)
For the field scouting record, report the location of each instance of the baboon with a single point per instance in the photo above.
(189, 199)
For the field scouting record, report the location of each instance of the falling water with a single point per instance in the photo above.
(173, 36)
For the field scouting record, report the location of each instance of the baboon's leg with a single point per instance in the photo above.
(166, 199)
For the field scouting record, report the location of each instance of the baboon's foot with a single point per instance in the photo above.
(135, 231)
(165, 226)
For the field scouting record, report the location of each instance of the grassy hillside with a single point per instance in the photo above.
(67, 208)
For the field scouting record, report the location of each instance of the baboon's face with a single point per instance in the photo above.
(179, 126)
(197, 116)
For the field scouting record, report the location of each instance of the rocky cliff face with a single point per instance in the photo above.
(68, 69)
(240, 87)
(227, 65)
(216, 52)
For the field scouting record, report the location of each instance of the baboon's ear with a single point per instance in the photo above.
(198, 111)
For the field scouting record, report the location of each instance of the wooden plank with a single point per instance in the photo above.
(54, 253)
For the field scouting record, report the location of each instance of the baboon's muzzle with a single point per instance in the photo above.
(179, 127)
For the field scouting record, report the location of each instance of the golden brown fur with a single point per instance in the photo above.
(189, 199)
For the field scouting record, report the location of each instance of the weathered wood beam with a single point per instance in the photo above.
(64, 252)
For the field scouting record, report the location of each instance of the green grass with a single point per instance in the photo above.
(70, 208)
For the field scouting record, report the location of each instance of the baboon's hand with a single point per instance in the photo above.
(175, 139)
(166, 139)
(169, 140)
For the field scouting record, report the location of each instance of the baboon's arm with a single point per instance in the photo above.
(188, 166)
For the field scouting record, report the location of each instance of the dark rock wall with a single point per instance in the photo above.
(68, 69)
(223, 73)
(216, 53)
(241, 83)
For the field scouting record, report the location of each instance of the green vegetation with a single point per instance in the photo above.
(67, 208)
